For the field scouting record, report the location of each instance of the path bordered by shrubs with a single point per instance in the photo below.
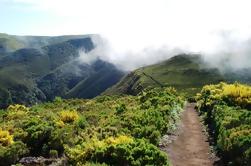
(107, 130)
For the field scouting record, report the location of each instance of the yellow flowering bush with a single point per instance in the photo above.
(5, 138)
(122, 139)
(17, 111)
(233, 94)
(121, 150)
(59, 123)
(17, 107)
(69, 116)
(226, 110)
(238, 93)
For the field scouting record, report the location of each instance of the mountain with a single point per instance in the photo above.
(35, 69)
(187, 73)
(10, 43)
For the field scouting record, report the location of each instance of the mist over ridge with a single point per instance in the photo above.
(227, 51)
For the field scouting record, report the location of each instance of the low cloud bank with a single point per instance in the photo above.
(228, 52)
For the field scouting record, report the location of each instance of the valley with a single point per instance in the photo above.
(35, 69)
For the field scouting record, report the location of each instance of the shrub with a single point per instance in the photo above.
(112, 130)
(58, 99)
(121, 150)
(226, 108)
(39, 133)
(121, 108)
(17, 107)
(12, 153)
(82, 123)
(53, 153)
(232, 94)
(16, 112)
(68, 116)
(5, 138)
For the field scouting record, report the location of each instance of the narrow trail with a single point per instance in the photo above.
(190, 148)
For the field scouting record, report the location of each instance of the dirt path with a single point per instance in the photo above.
(191, 147)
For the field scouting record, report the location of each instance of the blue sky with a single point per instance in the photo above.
(21, 18)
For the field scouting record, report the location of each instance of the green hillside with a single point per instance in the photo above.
(39, 72)
(187, 73)
(10, 43)
(182, 72)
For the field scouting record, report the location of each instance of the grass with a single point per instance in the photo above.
(182, 72)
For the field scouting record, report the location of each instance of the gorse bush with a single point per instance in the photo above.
(38, 135)
(5, 138)
(107, 130)
(238, 94)
(68, 116)
(226, 108)
(17, 107)
(122, 150)
(12, 153)
(232, 94)
(17, 111)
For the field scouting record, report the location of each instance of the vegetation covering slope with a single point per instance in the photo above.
(187, 73)
(105, 130)
(227, 111)
(10, 43)
(39, 72)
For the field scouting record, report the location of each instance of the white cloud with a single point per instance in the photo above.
(133, 26)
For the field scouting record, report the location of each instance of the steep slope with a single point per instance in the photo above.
(31, 75)
(103, 75)
(187, 73)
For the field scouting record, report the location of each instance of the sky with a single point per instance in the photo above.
(135, 25)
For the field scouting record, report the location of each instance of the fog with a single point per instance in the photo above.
(226, 50)
(126, 60)
(141, 32)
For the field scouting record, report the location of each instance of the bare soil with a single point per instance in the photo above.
(191, 146)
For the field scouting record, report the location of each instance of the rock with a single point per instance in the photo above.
(41, 161)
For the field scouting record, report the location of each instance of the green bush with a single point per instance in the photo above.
(229, 121)
(13, 153)
(137, 153)
(53, 153)
(121, 150)
(82, 123)
(39, 133)
(105, 130)
(121, 108)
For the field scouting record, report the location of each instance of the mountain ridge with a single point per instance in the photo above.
(188, 73)
(31, 75)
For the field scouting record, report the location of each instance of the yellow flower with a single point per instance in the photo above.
(68, 116)
(5, 138)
